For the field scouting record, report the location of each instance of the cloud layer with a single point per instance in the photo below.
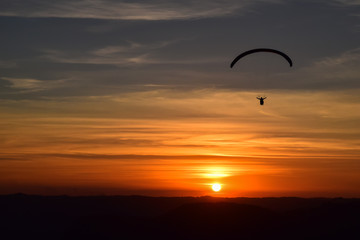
(120, 10)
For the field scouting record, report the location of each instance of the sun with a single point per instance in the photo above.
(216, 187)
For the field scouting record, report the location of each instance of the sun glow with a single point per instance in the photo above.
(216, 172)
(216, 187)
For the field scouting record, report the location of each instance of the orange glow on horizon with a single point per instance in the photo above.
(250, 151)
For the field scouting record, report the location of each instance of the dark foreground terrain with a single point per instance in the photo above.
(135, 217)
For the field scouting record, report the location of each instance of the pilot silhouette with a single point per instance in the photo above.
(261, 100)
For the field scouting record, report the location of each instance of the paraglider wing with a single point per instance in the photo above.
(261, 50)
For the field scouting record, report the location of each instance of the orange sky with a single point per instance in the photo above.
(179, 143)
(138, 97)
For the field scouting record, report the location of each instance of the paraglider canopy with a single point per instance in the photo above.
(261, 50)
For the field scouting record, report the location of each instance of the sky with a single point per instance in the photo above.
(138, 97)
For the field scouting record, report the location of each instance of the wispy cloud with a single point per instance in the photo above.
(109, 50)
(342, 67)
(32, 85)
(339, 71)
(349, 2)
(351, 57)
(126, 54)
(110, 55)
(106, 56)
(7, 64)
(122, 10)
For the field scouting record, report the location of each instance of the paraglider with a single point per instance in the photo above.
(288, 59)
(261, 50)
(261, 100)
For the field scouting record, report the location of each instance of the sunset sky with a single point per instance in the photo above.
(138, 97)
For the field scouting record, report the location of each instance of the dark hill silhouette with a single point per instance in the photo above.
(135, 217)
(221, 220)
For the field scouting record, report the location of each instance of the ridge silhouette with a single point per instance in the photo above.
(135, 217)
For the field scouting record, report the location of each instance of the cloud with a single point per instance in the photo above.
(7, 64)
(349, 2)
(335, 71)
(127, 54)
(111, 55)
(348, 58)
(109, 50)
(106, 56)
(32, 85)
(120, 10)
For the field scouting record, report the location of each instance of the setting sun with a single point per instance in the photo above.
(216, 187)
